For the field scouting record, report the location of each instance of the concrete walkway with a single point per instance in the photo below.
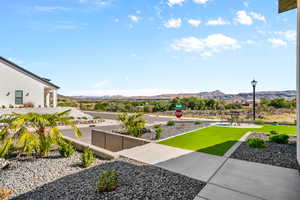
(226, 178)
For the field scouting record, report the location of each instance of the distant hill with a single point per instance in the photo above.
(217, 94)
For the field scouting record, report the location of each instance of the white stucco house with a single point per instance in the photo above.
(19, 87)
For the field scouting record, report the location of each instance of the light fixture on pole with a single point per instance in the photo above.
(254, 83)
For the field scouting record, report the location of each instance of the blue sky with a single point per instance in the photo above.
(148, 47)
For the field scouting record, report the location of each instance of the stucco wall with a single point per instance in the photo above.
(115, 142)
(12, 80)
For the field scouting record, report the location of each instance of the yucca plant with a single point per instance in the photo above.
(134, 124)
(34, 133)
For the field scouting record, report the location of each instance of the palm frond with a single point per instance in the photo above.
(5, 147)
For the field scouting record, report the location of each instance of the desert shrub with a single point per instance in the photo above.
(157, 126)
(158, 132)
(279, 138)
(66, 148)
(5, 193)
(256, 143)
(67, 104)
(134, 124)
(259, 122)
(107, 181)
(87, 158)
(273, 132)
(198, 123)
(170, 123)
(3, 106)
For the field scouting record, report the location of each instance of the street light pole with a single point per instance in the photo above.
(254, 82)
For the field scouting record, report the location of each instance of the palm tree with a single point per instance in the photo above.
(134, 124)
(34, 133)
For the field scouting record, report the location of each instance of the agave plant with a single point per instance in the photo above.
(134, 124)
(33, 133)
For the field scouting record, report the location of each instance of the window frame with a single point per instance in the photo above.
(17, 102)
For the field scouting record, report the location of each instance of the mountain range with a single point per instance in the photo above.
(217, 94)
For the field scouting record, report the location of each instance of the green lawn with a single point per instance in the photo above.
(218, 140)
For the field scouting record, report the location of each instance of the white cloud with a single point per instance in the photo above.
(207, 46)
(194, 22)
(131, 92)
(217, 22)
(173, 23)
(276, 42)
(174, 2)
(101, 83)
(82, 1)
(243, 18)
(102, 3)
(50, 8)
(201, 1)
(246, 4)
(249, 42)
(258, 16)
(134, 18)
(290, 35)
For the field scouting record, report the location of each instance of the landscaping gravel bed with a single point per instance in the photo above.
(63, 178)
(177, 129)
(167, 131)
(282, 155)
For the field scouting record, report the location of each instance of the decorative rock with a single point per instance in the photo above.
(282, 155)
(63, 178)
(3, 163)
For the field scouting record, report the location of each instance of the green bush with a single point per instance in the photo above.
(66, 149)
(279, 138)
(134, 124)
(87, 158)
(158, 132)
(108, 181)
(273, 132)
(170, 123)
(198, 123)
(256, 143)
(259, 122)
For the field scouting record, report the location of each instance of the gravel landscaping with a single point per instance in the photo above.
(63, 178)
(168, 131)
(282, 155)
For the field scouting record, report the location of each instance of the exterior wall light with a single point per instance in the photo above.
(7, 94)
(27, 94)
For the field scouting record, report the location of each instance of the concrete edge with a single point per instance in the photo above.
(237, 144)
(103, 153)
(157, 141)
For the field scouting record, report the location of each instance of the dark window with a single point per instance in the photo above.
(19, 97)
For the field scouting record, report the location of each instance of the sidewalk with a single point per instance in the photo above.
(227, 179)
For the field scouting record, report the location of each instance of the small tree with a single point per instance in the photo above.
(33, 133)
(134, 124)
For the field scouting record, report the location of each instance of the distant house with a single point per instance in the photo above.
(19, 87)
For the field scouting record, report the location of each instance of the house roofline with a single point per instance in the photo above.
(28, 73)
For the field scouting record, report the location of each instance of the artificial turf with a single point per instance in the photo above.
(218, 140)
